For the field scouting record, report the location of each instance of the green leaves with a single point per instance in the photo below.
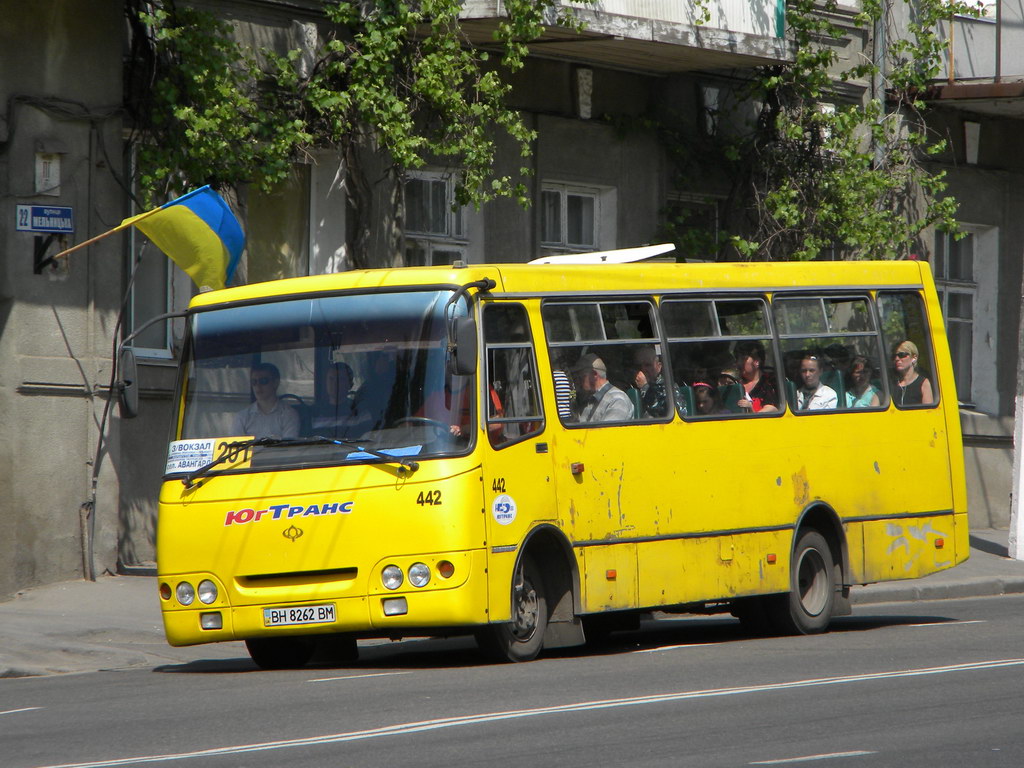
(398, 74)
(816, 174)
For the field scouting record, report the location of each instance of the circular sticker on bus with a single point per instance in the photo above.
(504, 509)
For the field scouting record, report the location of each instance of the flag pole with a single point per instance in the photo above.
(123, 225)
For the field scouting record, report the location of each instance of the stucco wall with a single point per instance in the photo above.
(60, 89)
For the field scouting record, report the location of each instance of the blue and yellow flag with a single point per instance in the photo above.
(199, 233)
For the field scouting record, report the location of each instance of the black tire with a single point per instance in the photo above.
(807, 608)
(523, 638)
(336, 650)
(598, 627)
(280, 652)
(755, 615)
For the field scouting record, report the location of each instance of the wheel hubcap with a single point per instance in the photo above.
(526, 614)
(812, 582)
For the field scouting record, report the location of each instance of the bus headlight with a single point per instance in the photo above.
(392, 577)
(419, 574)
(186, 593)
(207, 591)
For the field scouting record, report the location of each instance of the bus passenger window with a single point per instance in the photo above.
(513, 399)
(722, 356)
(606, 362)
(830, 352)
(912, 380)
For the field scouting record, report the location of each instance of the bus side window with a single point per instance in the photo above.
(907, 344)
(607, 363)
(722, 355)
(830, 352)
(513, 403)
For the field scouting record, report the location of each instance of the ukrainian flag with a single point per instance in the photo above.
(199, 233)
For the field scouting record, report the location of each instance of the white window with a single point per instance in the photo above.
(710, 96)
(966, 279)
(152, 294)
(435, 228)
(575, 218)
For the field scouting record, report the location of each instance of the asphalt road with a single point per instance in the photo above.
(914, 684)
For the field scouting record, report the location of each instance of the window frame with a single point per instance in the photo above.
(945, 287)
(585, 345)
(455, 234)
(829, 333)
(564, 190)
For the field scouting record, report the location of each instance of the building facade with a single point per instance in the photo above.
(82, 482)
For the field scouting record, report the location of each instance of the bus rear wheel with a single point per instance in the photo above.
(807, 609)
(523, 637)
(280, 652)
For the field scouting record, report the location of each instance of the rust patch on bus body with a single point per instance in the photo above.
(801, 487)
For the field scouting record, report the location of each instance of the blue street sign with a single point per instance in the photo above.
(45, 218)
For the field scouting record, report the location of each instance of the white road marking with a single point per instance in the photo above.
(812, 758)
(672, 647)
(355, 677)
(23, 709)
(947, 623)
(402, 729)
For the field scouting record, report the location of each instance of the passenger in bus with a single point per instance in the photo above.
(650, 382)
(267, 416)
(601, 400)
(812, 394)
(706, 400)
(565, 394)
(337, 415)
(911, 387)
(759, 392)
(860, 392)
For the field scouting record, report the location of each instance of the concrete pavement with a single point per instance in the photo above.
(114, 622)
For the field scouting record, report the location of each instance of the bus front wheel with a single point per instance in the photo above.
(280, 652)
(807, 609)
(523, 637)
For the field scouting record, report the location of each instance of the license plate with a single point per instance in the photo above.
(306, 614)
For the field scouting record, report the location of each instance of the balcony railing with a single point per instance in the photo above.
(654, 35)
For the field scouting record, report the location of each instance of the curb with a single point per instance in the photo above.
(896, 592)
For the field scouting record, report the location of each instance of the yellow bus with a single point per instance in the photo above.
(538, 453)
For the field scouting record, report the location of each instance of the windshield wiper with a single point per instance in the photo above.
(233, 449)
(412, 466)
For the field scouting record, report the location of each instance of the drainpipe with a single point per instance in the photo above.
(878, 50)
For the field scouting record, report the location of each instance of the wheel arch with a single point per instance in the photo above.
(825, 520)
(821, 517)
(552, 553)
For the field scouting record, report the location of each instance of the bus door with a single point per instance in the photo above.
(614, 459)
(517, 479)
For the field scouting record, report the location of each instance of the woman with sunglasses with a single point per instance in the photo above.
(911, 387)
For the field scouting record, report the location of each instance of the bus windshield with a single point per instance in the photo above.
(366, 372)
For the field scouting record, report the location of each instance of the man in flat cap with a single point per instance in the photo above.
(602, 401)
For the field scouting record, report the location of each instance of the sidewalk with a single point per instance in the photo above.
(114, 622)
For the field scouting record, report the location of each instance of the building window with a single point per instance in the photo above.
(710, 97)
(278, 228)
(435, 229)
(955, 269)
(570, 217)
(692, 224)
(151, 295)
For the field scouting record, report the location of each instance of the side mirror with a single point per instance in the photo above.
(464, 347)
(127, 384)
